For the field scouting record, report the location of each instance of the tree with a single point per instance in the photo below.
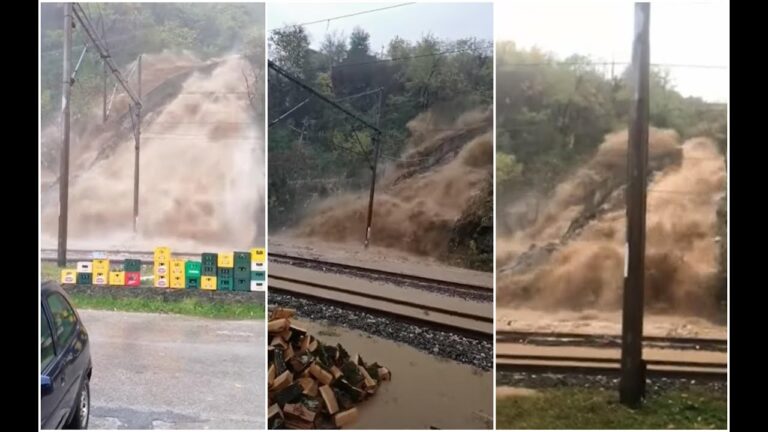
(289, 47)
(334, 47)
(359, 44)
(508, 170)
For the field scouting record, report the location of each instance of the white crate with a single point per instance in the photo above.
(85, 267)
(258, 285)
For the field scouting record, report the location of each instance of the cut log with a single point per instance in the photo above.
(345, 418)
(309, 385)
(282, 381)
(288, 394)
(278, 326)
(282, 313)
(271, 375)
(330, 399)
(275, 418)
(321, 374)
(300, 411)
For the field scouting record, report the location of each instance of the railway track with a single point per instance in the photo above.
(609, 341)
(391, 302)
(585, 354)
(116, 256)
(477, 292)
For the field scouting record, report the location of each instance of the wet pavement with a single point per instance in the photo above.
(156, 371)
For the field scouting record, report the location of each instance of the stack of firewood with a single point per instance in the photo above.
(313, 385)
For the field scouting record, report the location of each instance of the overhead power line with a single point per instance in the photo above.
(603, 63)
(345, 16)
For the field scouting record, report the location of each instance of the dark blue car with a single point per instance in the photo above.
(65, 362)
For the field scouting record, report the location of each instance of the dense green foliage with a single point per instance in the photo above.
(316, 150)
(552, 114)
(205, 29)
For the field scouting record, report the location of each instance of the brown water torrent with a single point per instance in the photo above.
(582, 267)
(202, 165)
(425, 192)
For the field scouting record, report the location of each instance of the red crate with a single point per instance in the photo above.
(132, 278)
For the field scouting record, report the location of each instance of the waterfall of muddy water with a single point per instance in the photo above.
(418, 202)
(571, 257)
(201, 165)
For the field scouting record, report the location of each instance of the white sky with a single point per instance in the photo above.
(682, 32)
(444, 20)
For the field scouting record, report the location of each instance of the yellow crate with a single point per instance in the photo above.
(161, 281)
(162, 253)
(226, 260)
(208, 282)
(177, 281)
(258, 255)
(177, 267)
(161, 269)
(100, 265)
(101, 277)
(117, 278)
(68, 276)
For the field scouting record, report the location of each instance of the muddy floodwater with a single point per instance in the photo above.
(425, 391)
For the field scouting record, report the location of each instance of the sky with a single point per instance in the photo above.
(444, 20)
(681, 33)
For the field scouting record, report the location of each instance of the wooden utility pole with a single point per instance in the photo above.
(632, 385)
(137, 139)
(376, 146)
(61, 256)
(374, 128)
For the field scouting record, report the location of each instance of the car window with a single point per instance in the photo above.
(64, 319)
(46, 341)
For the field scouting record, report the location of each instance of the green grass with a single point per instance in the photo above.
(187, 306)
(599, 409)
(49, 271)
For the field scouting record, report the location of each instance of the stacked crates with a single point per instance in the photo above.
(242, 271)
(208, 282)
(177, 273)
(226, 271)
(258, 269)
(132, 268)
(192, 273)
(225, 274)
(208, 271)
(68, 276)
(117, 278)
(84, 272)
(162, 263)
(100, 271)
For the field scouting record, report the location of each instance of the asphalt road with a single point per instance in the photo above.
(153, 371)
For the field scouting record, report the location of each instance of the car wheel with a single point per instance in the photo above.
(82, 409)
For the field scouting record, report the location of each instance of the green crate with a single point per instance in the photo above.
(241, 273)
(85, 278)
(242, 258)
(209, 270)
(193, 282)
(132, 265)
(242, 284)
(258, 276)
(209, 259)
(224, 284)
(244, 269)
(192, 268)
(225, 273)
